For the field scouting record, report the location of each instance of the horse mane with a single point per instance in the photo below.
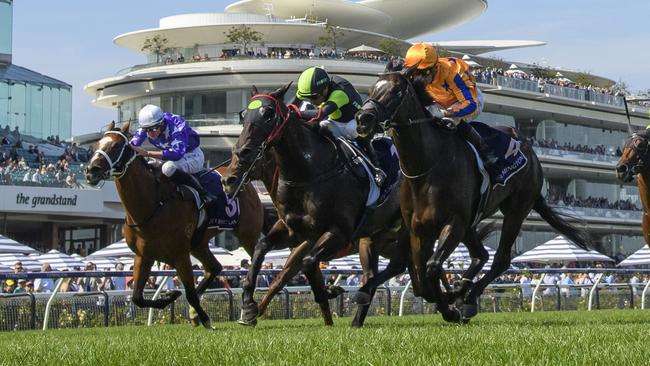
(421, 91)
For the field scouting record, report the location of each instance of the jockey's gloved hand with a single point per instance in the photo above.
(311, 114)
(435, 111)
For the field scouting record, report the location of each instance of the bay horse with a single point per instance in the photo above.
(161, 221)
(633, 163)
(440, 195)
(320, 199)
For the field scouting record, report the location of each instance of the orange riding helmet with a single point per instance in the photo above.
(424, 55)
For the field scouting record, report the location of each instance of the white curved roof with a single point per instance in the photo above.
(479, 47)
(185, 31)
(399, 18)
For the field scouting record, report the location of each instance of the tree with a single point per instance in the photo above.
(243, 35)
(158, 45)
(585, 78)
(391, 47)
(542, 72)
(332, 34)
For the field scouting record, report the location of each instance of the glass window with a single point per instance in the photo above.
(6, 24)
(4, 103)
(17, 106)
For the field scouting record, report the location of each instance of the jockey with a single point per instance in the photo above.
(454, 91)
(336, 102)
(178, 144)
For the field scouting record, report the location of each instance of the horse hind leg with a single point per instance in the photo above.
(212, 268)
(479, 256)
(141, 271)
(186, 275)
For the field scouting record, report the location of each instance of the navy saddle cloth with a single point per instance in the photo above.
(224, 214)
(389, 162)
(507, 150)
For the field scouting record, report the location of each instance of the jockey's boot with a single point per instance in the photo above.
(180, 177)
(366, 146)
(466, 131)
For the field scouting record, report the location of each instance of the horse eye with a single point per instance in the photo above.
(399, 94)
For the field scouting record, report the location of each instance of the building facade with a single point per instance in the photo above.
(200, 74)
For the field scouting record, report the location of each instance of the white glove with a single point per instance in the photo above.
(435, 112)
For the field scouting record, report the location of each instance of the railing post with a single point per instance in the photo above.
(401, 298)
(46, 318)
(287, 301)
(32, 310)
(106, 308)
(231, 305)
(558, 297)
(631, 295)
(163, 283)
(593, 289)
(645, 290)
(532, 300)
(388, 299)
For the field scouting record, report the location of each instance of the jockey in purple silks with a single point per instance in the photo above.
(178, 144)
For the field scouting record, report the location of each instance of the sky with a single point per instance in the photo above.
(71, 40)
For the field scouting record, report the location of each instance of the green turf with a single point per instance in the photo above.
(608, 337)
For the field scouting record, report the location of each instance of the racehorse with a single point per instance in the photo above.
(162, 219)
(633, 164)
(321, 199)
(441, 193)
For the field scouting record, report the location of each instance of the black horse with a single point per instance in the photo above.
(440, 197)
(321, 199)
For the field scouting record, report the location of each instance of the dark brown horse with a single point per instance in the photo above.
(161, 221)
(321, 201)
(440, 196)
(633, 163)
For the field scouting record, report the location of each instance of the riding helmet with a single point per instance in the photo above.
(149, 116)
(312, 82)
(424, 55)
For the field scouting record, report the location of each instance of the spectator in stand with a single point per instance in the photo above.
(22, 286)
(71, 181)
(44, 284)
(9, 287)
(36, 177)
(16, 135)
(89, 284)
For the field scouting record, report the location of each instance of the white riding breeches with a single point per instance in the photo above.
(191, 162)
(341, 129)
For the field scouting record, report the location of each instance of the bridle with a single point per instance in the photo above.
(113, 165)
(388, 123)
(280, 121)
(641, 153)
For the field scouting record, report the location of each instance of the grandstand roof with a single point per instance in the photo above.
(11, 72)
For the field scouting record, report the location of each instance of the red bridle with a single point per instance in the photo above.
(276, 133)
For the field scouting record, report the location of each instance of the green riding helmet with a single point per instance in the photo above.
(312, 82)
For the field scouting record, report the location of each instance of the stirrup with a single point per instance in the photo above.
(380, 177)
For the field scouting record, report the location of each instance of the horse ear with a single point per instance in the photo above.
(125, 126)
(389, 67)
(254, 91)
(280, 92)
(110, 126)
(408, 72)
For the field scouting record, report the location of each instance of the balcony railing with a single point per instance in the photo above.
(609, 160)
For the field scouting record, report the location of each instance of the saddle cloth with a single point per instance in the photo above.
(224, 213)
(507, 150)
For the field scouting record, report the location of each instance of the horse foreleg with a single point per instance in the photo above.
(450, 236)
(317, 283)
(278, 236)
(141, 271)
(479, 257)
(290, 269)
(186, 275)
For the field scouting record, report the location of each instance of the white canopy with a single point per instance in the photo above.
(353, 262)
(60, 261)
(638, 258)
(115, 250)
(13, 247)
(277, 256)
(30, 264)
(364, 48)
(560, 250)
(235, 259)
(513, 67)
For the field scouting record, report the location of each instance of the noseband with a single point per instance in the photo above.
(272, 138)
(641, 153)
(112, 165)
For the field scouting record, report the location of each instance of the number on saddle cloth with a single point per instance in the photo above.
(507, 150)
(224, 214)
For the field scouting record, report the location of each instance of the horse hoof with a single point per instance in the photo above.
(208, 325)
(469, 310)
(452, 316)
(248, 316)
(248, 323)
(334, 292)
(361, 298)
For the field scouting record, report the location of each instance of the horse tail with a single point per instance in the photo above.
(270, 218)
(560, 223)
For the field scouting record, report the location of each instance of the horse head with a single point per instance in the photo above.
(387, 101)
(263, 122)
(112, 156)
(632, 161)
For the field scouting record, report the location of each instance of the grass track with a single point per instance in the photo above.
(616, 337)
